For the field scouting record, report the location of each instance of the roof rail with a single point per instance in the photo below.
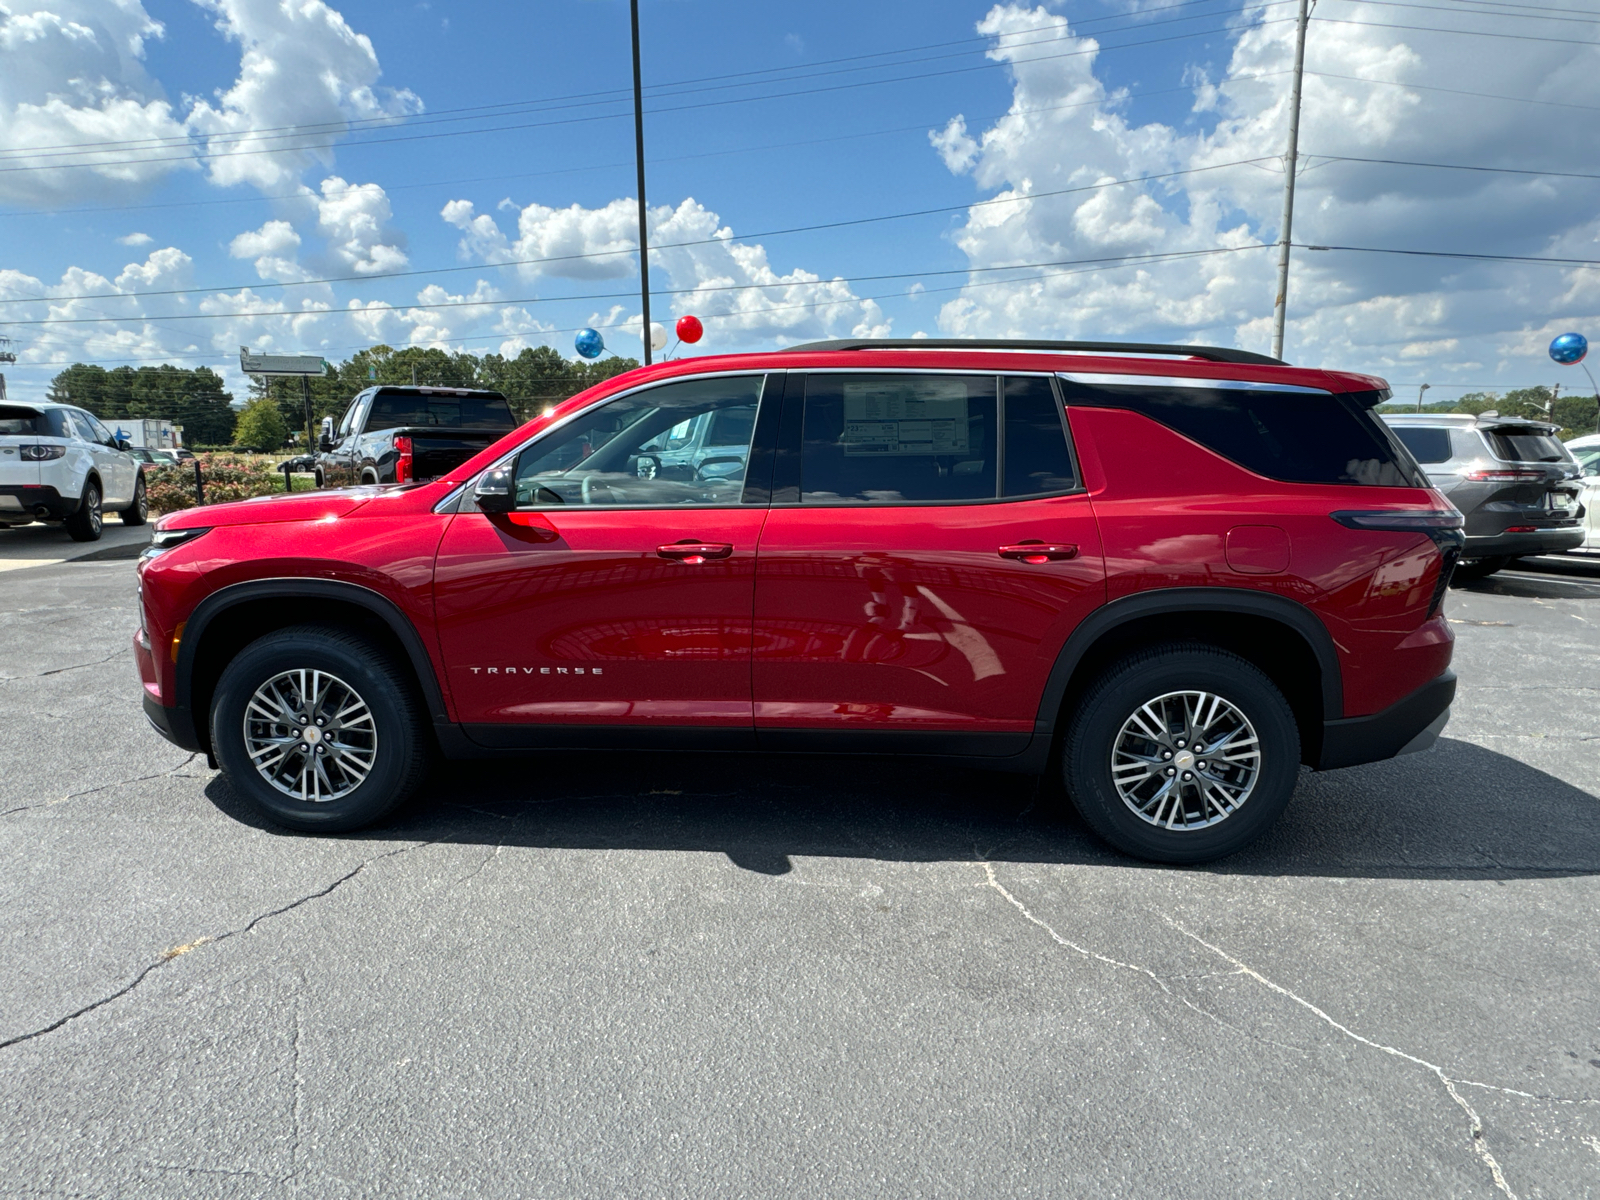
(1212, 353)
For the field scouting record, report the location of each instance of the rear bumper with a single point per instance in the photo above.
(36, 501)
(1514, 545)
(1405, 727)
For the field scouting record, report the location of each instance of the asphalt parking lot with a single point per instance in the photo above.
(643, 975)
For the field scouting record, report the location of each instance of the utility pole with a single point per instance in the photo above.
(1420, 390)
(638, 147)
(1290, 160)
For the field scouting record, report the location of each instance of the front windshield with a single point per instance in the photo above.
(681, 443)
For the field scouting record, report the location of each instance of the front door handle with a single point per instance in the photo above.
(1038, 552)
(694, 553)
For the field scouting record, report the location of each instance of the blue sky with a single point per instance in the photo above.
(766, 117)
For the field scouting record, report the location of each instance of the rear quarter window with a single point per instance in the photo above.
(21, 422)
(1427, 445)
(1296, 437)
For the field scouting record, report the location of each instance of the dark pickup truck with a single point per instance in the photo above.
(408, 434)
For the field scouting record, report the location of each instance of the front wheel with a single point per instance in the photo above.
(1182, 754)
(86, 524)
(318, 730)
(138, 512)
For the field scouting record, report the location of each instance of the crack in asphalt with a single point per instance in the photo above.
(102, 787)
(168, 957)
(993, 881)
(62, 670)
(1480, 1144)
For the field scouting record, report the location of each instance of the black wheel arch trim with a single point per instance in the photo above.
(1161, 601)
(331, 589)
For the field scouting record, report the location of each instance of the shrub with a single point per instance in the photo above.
(227, 477)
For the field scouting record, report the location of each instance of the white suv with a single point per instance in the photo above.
(59, 463)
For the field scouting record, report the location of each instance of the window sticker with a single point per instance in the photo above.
(905, 417)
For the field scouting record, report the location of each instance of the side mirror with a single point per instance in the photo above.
(124, 444)
(495, 492)
(324, 443)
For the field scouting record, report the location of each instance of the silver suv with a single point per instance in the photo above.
(1512, 479)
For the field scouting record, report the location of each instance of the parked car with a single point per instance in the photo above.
(148, 458)
(408, 434)
(1181, 572)
(59, 463)
(299, 464)
(1511, 478)
(1586, 453)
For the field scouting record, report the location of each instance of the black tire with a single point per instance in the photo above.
(88, 522)
(1098, 722)
(399, 760)
(138, 512)
(369, 477)
(1474, 569)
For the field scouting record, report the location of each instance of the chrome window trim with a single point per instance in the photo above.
(1186, 381)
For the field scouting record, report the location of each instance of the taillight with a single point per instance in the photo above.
(38, 453)
(1444, 525)
(1502, 475)
(402, 465)
(1425, 520)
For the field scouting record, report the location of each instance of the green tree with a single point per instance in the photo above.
(261, 424)
(194, 398)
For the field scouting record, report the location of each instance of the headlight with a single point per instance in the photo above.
(165, 539)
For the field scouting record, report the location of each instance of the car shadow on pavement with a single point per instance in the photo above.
(1458, 811)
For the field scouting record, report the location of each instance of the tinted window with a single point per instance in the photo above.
(21, 421)
(1525, 445)
(1036, 458)
(391, 410)
(643, 449)
(1426, 445)
(1298, 437)
(896, 439)
(1588, 459)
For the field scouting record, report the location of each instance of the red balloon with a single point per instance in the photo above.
(690, 330)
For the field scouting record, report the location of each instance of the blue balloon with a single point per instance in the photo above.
(1569, 348)
(590, 344)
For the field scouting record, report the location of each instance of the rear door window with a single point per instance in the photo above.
(1427, 444)
(1525, 445)
(898, 439)
(1037, 458)
(1294, 436)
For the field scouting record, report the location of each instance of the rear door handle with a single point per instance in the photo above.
(694, 553)
(1038, 552)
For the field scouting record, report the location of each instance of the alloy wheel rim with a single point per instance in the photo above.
(1186, 760)
(310, 735)
(95, 518)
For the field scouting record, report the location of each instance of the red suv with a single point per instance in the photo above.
(1174, 573)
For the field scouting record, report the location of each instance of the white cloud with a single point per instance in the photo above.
(354, 218)
(301, 64)
(72, 73)
(273, 247)
(135, 239)
(729, 284)
(1435, 318)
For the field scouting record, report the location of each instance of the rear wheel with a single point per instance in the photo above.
(1477, 568)
(86, 524)
(1182, 754)
(318, 730)
(138, 512)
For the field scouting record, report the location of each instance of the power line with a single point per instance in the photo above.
(622, 94)
(1120, 259)
(1516, 258)
(1517, 37)
(522, 262)
(1423, 87)
(200, 156)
